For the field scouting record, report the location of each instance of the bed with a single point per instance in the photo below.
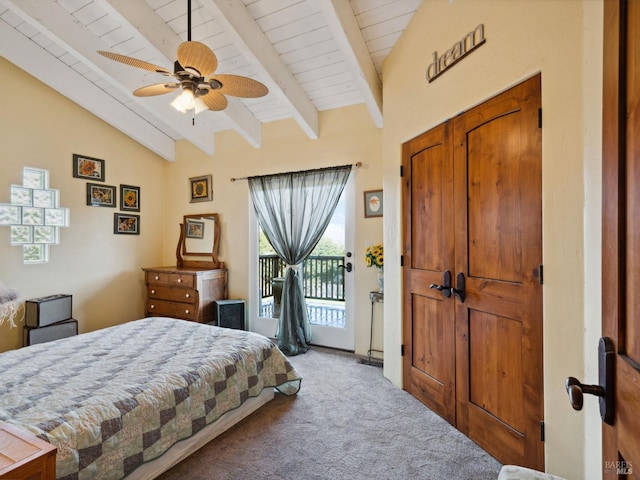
(134, 399)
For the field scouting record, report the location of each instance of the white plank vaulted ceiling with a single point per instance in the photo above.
(313, 55)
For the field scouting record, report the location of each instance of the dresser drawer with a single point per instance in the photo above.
(174, 294)
(164, 278)
(164, 308)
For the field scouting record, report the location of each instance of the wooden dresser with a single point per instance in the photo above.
(24, 456)
(184, 292)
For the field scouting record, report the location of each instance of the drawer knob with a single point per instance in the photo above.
(157, 277)
(152, 307)
(179, 280)
(153, 291)
(188, 295)
(187, 312)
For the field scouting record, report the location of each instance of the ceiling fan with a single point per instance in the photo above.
(193, 72)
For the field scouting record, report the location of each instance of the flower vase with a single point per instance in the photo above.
(380, 281)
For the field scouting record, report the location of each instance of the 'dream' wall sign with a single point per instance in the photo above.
(457, 52)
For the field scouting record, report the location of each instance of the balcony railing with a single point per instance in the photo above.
(323, 278)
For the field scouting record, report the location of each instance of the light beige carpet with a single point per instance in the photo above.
(347, 422)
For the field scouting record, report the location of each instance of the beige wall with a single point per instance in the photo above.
(562, 40)
(101, 270)
(347, 135)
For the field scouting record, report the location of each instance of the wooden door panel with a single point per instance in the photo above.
(632, 334)
(498, 232)
(486, 431)
(428, 351)
(494, 200)
(621, 231)
(427, 172)
(506, 297)
(428, 338)
(431, 373)
(628, 408)
(496, 374)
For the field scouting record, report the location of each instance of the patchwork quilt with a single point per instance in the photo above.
(115, 398)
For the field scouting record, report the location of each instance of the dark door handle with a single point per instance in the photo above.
(576, 390)
(459, 291)
(604, 390)
(348, 267)
(445, 288)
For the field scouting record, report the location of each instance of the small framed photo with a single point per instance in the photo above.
(194, 229)
(129, 198)
(101, 195)
(200, 189)
(88, 168)
(373, 203)
(126, 224)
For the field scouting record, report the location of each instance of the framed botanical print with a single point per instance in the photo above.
(126, 224)
(129, 198)
(101, 195)
(373, 203)
(200, 189)
(88, 168)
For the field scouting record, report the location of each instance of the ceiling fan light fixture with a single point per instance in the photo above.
(185, 101)
(199, 105)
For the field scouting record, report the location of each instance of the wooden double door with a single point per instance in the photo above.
(621, 233)
(472, 273)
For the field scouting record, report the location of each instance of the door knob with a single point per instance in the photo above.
(445, 288)
(576, 390)
(604, 390)
(348, 267)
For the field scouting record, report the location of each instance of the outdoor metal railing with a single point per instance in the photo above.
(323, 278)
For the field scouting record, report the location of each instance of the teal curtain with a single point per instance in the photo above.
(294, 209)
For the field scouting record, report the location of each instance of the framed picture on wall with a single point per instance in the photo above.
(373, 203)
(88, 168)
(129, 198)
(126, 224)
(200, 189)
(101, 195)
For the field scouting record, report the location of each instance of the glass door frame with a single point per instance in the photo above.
(327, 336)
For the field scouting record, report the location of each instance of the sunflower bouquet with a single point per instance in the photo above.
(374, 256)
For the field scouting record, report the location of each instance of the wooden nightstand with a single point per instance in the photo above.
(24, 456)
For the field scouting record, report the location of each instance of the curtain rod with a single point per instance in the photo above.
(357, 165)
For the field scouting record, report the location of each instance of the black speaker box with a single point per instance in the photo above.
(229, 314)
(40, 312)
(32, 336)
